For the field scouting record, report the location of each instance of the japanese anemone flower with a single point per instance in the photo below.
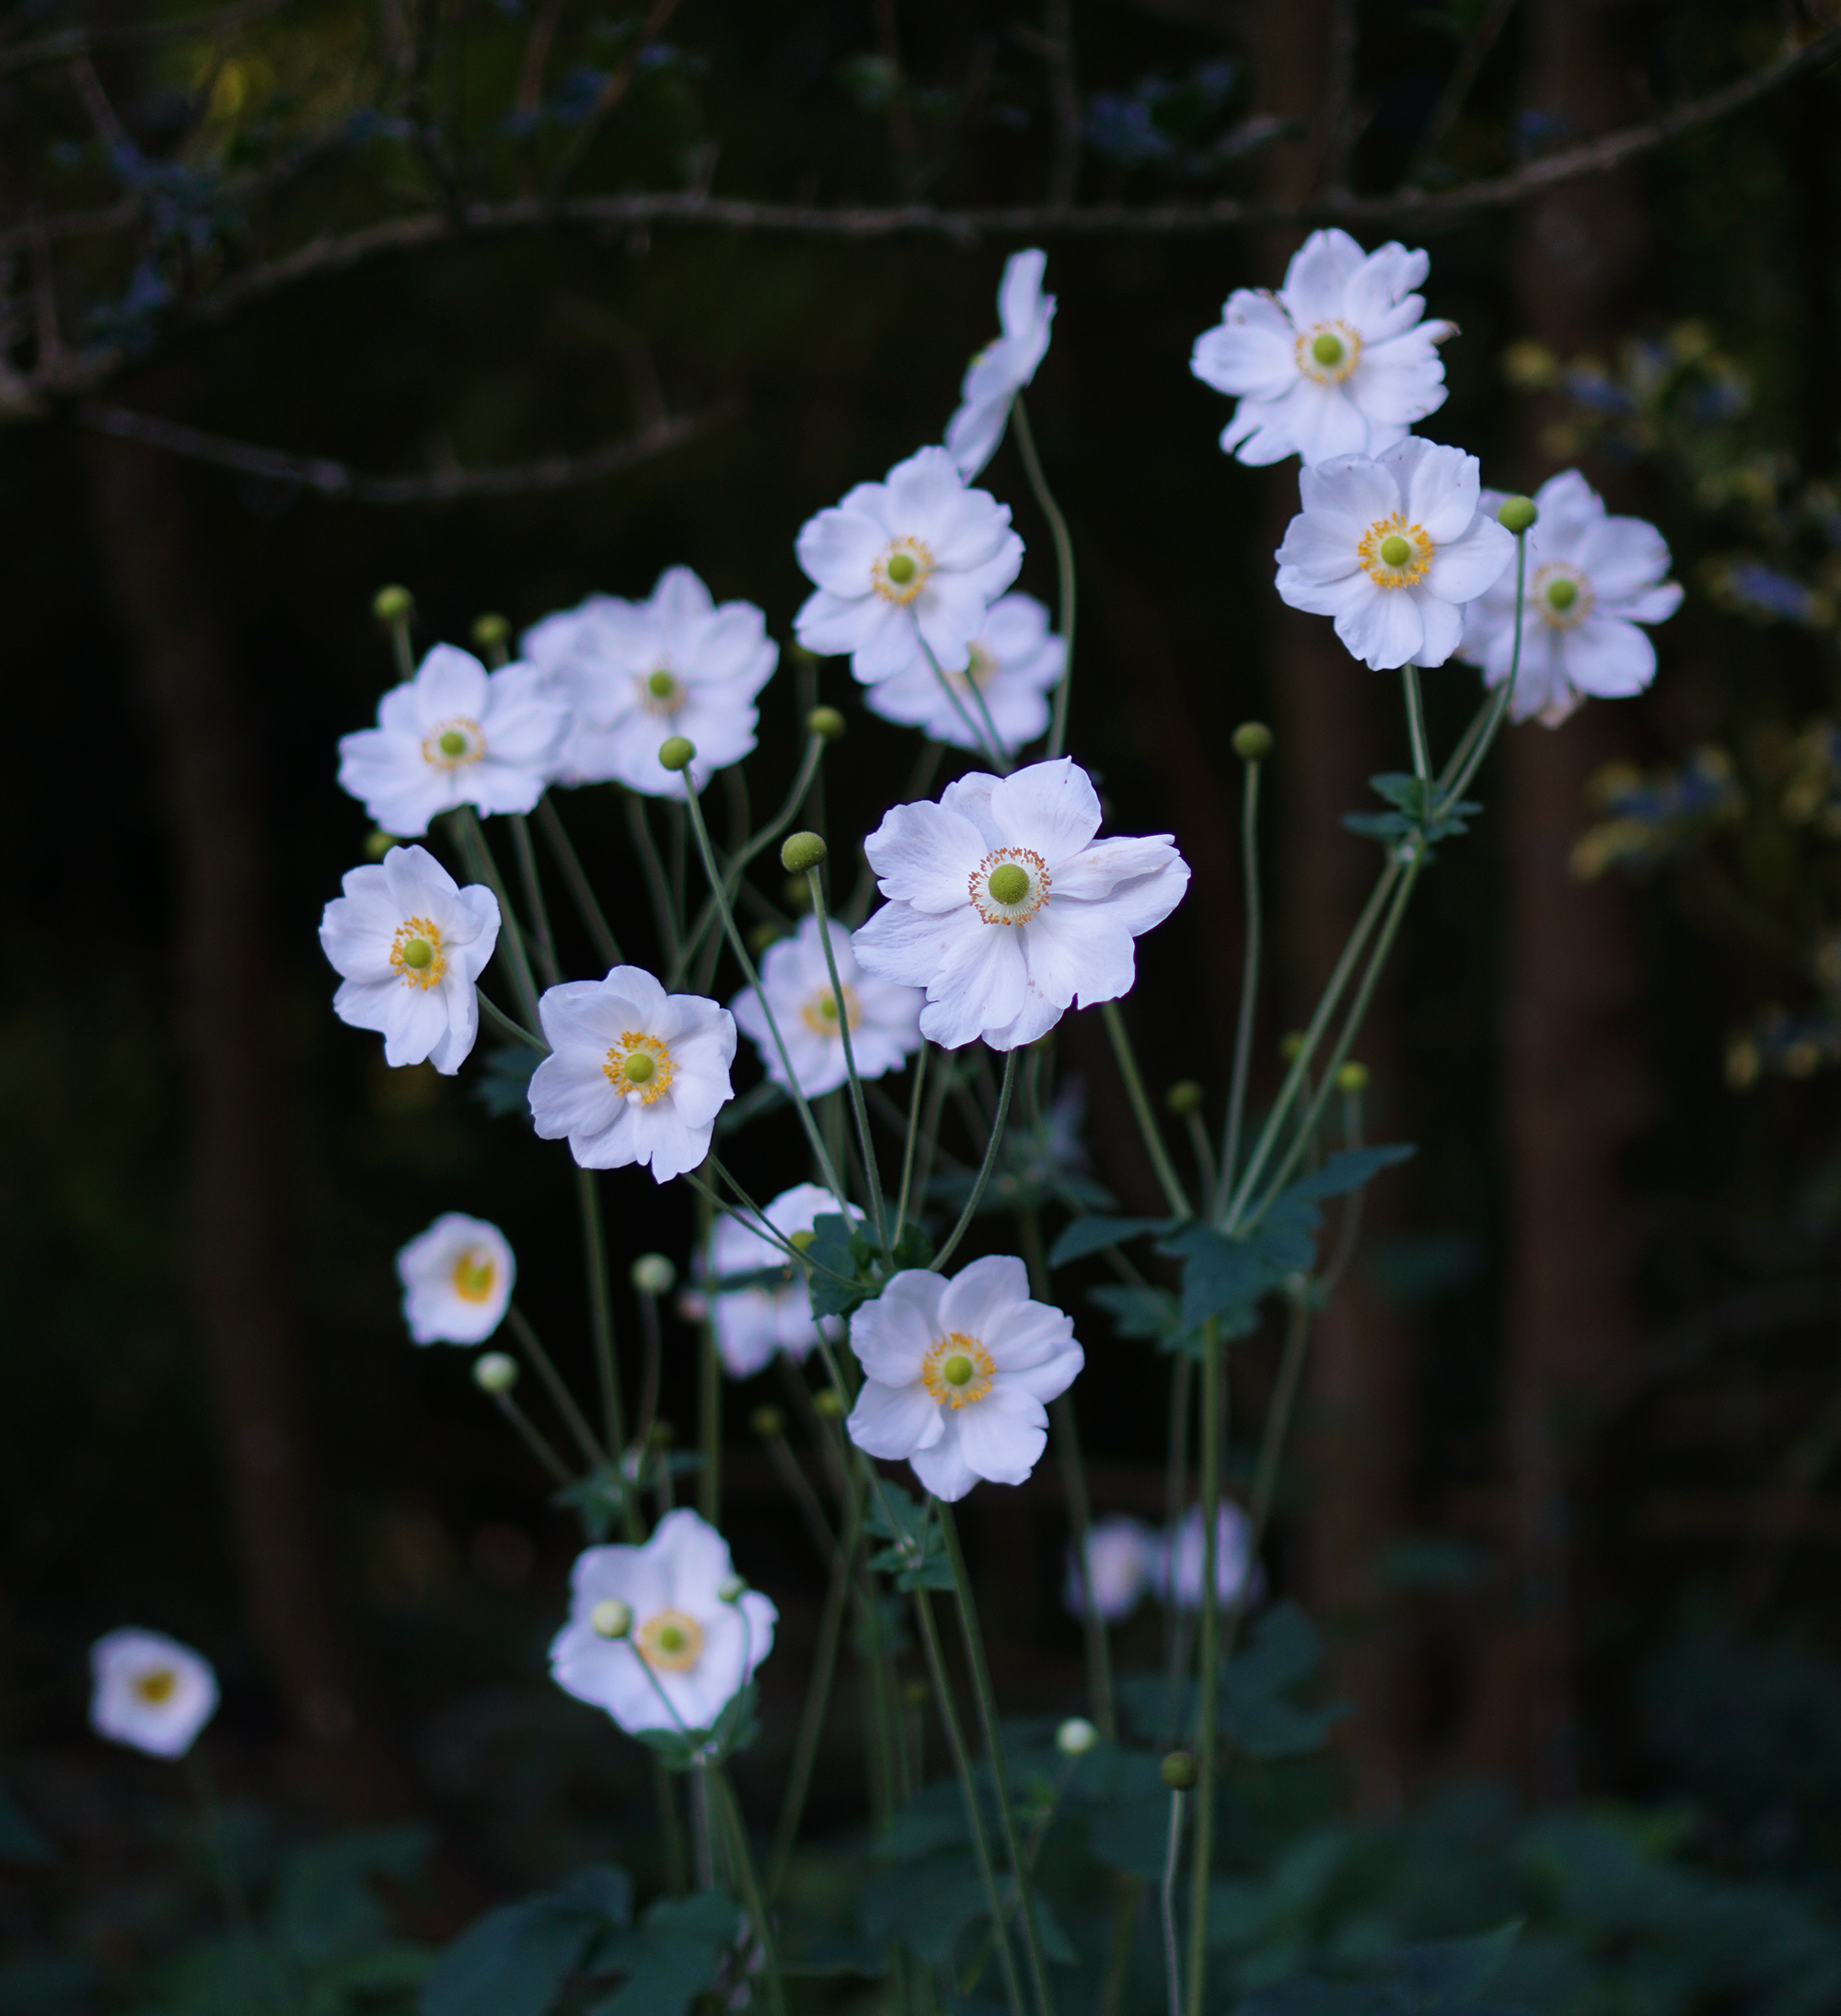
(1016, 662)
(1122, 1555)
(456, 1280)
(1003, 369)
(1338, 362)
(1392, 547)
(1004, 907)
(753, 1322)
(151, 1692)
(796, 985)
(1591, 579)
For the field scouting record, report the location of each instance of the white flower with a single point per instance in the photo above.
(1015, 663)
(1004, 907)
(1591, 580)
(751, 1324)
(457, 1280)
(1177, 1574)
(1122, 1555)
(999, 372)
(1337, 363)
(956, 1373)
(454, 734)
(150, 1692)
(410, 943)
(917, 558)
(634, 1074)
(634, 674)
(885, 1019)
(686, 1650)
(1392, 548)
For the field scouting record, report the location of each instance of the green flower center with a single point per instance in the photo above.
(1327, 350)
(1562, 594)
(1394, 550)
(958, 1370)
(670, 1638)
(901, 569)
(452, 743)
(418, 953)
(639, 1069)
(660, 685)
(1009, 884)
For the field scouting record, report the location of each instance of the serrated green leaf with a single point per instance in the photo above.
(671, 1956)
(1087, 1236)
(515, 1960)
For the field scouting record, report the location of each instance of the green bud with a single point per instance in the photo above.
(1178, 1771)
(767, 1422)
(494, 1373)
(393, 605)
(676, 752)
(639, 1068)
(1327, 350)
(825, 720)
(1352, 1077)
(1396, 551)
(915, 1694)
(492, 633)
(378, 844)
(611, 1618)
(1290, 1045)
(801, 851)
(1517, 514)
(1076, 1736)
(902, 568)
(1253, 742)
(1009, 884)
(731, 1589)
(1184, 1096)
(766, 932)
(660, 685)
(827, 1405)
(652, 1274)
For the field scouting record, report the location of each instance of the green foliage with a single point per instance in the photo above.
(916, 1556)
(515, 1961)
(1416, 814)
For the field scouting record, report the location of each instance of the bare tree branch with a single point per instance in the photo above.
(79, 41)
(1470, 60)
(336, 481)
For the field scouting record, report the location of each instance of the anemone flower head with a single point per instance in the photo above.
(795, 983)
(762, 1317)
(633, 675)
(1338, 362)
(150, 1692)
(911, 562)
(956, 1373)
(409, 942)
(454, 735)
(1000, 371)
(634, 1074)
(1015, 663)
(1004, 907)
(1120, 1555)
(1177, 1572)
(1591, 580)
(456, 1280)
(660, 1636)
(1392, 548)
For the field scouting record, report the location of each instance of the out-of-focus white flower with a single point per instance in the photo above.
(885, 1019)
(1176, 1571)
(1337, 363)
(916, 559)
(753, 1322)
(1122, 1555)
(410, 943)
(956, 1373)
(1000, 372)
(454, 735)
(150, 1692)
(1591, 580)
(1076, 1736)
(633, 674)
(1016, 661)
(457, 1279)
(1004, 907)
(634, 1074)
(1392, 548)
(683, 1651)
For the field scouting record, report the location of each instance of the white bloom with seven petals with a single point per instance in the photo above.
(753, 1322)
(913, 560)
(1000, 372)
(796, 986)
(957, 1373)
(408, 944)
(456, 1280)
(634, 674)
(1338, 362)
(454, 735)
(689, 1644)
(1004, 907)
(634, 1074)
(150, 1692)
(1392, 547)
(1015, 663)
(1591, 579)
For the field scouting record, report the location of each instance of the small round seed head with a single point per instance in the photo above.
(825, 720)
(1178, 1771)
(611, 1618)
(732, 1587)
(492, 631)
(767, 1422)
(1291, 1044)
(1253, 742)
(766, 932)
(378, 844)
(393, 605)
(1183, 1097)
(1076, 1736)
(1517, 514)
(801, 851)
(1352, 1077)
(494, 1373)
(652, 1274)
(676, 752)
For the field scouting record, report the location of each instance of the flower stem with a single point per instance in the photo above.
(473, 845)
(1416, 728)
(1064, 568)
(908, 1142)
(815, 882)
(741, 1859)
(552, 1380)
(533, 1439)
(506, 1024)
(601, 1324)
(1207, 1738)
(1249, 980)
(664, 916)
(1177, 1197)
(403, 648)
(542, 944)
(990, 745)
(990, 1162)
(1272, 1449)
(581, 891)
(1172, 1855)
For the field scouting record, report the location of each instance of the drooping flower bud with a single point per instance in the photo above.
(652, 1274)
(1352, 1077)
(378, 844)
(828, 1404)
(493, 1371)
(800, 852)
(676, 752)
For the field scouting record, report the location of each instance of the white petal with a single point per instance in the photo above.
(1051, 807)
(1383, 628)
(894, 1421)
(1608, 658)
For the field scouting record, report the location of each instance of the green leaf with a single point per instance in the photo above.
(1286, 1649)
(671, 1956)
(515, 1961)
(503, 1084)
(327, 1908)
(916, 1557)
(1226, 1277)
(1345, 1170)
(595, 1500)
(926, 1904)
(1146, 1312)
(841, 1258)
(1086, 1235)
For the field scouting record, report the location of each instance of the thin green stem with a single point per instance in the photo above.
(403, 648)
(1173, 1856)
(710, 1427)
(908, 1142)
(1177, 1197)
(506, 1024)
(601, 1326)
(1272, 1439)
(581, 891)
(542, 943)
(473, 844)
(1129, 1896)
(1079, 1521)
(741, 1859)
(1416, 726)
(1208, 1741)
(871, 1175)
(1064, 568)
(552, 1380)
(992, 746)
(640, 826)
(1450, 792)
(985, 1168)
(1254, 901)
(533, 1439)
(670, 1826)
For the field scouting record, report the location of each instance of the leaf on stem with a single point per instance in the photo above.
(672, 1956)
(916, 1555)
(1415, 811)
(513, 1961)
(1087, 1236)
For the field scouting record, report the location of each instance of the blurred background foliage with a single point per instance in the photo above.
(1575, 1578)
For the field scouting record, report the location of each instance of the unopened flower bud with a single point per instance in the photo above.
(1076, 1736)
(494, 1373)
(766, 932)
(732, 1587)
(1253, 742)
(490, 633)
(828, 1404)
(652, 1274)
(1178, 1771)
(676, 752)
(1291, 1045)
(767, 1422)
(801, 851)
(1516, 514)
(611, 1618)
(1183, 1097)
(825, 720)
(378, 844)
(1352, 1077)
(393, 605)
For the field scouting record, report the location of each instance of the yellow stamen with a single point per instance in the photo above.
(957, 1371)
(1327, 351)
(820, 1014)
(416, 953)
(474, 1275)
(454, 743)
(157, 1685)
(1394, 554)
(639, 1066)
(900, 571)
(1009, 885)
(669, 1641)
